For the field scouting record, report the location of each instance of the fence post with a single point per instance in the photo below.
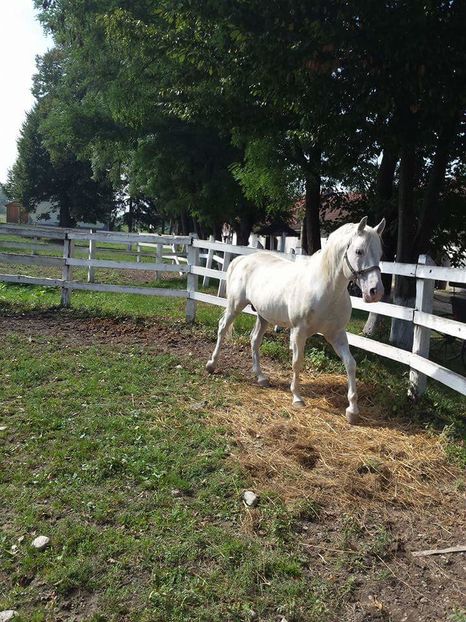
(138, 255)
(66, 273)
(208, 263)
(192, 280)
(222, 286)
(421, 340)
(158, 257)
(91, 269)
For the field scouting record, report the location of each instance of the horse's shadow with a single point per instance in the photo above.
(328, 394)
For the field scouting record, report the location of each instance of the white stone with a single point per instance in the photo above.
(179, 367)
(250, 498)
(7, 615)
(41, 542)
(2, 428)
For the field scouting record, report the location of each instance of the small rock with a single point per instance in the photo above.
(250, 498)
(2, 428)
(7, 615)
(176, 493)
(41, 542)
(179, 367)
(252, 615)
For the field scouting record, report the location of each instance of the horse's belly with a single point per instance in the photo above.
(269, 301)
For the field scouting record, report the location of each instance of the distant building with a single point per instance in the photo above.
(16, 213)
(45, 214)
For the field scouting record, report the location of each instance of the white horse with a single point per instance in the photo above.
(308, 296)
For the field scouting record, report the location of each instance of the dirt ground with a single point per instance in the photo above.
(381, 490)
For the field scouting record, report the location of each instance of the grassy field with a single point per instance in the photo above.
(117, 446)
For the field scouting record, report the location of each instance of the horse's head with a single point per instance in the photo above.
(362, 258)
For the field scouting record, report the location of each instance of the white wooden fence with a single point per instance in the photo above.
(200, 255)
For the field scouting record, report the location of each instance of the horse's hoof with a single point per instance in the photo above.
(210, 367)
(352, 417)
(263, 382)
(298, 404)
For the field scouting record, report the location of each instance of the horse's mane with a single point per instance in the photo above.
(337, 242)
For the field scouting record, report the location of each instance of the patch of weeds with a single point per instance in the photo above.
(307, 510)
(458, 616)
(276, 350)
(455, 448)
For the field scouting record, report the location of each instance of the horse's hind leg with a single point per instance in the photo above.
(297, 342)
(341, 347)
(224, 324)
(257, 335)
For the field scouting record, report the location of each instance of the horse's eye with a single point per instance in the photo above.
(359, 251)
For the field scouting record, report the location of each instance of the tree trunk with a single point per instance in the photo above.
(430, 213)
(243, 230)
(64, 218)
(311, 223)
(404, 293)
(384, 208)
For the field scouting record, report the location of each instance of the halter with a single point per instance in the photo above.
(356, 274)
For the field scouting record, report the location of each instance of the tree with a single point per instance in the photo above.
(64, 181)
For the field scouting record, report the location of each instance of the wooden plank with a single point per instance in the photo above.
(126, 265)
(441, 324)
(192, 283)
(226, 248)
(438, 372)
(403, 269)
(216, 274)
(31, 246)
(32, 232)
(383, 308)
(30, 280)
(91, 256)
(209, 258)
(439, 273)
(421, 339)
(222, 284)
(429, 368)
(218, 302)
(67, 272)
(31, 260)
(370, 345)
(124, 289)
(128, 238)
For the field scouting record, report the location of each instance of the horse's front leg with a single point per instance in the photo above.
(339, 341)
(297, 342)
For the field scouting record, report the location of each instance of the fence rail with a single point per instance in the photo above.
(193, 253)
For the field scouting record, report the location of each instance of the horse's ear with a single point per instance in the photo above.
(380, 227)
(362, 224)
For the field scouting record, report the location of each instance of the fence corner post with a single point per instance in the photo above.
(421, 340)
(192, 279)
(66, 273)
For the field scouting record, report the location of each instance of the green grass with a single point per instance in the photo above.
(96, 441)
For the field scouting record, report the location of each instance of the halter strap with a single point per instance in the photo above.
(356, 274)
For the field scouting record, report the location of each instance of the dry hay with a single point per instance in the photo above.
(314, 453)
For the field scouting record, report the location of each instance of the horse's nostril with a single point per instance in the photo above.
(373, 291)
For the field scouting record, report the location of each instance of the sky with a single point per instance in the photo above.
(21, 39)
